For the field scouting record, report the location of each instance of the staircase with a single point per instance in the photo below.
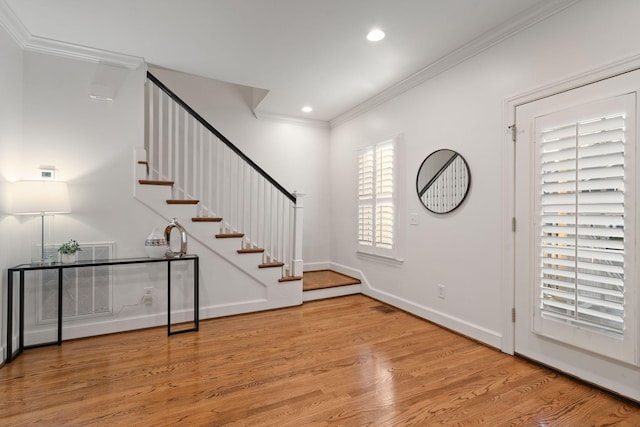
(188, 170)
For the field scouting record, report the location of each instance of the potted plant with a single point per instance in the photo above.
(69, 251)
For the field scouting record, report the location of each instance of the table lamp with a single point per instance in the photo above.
(40, 198)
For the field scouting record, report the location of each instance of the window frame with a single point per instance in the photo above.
(376, 251)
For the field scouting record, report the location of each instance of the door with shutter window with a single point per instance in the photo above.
(576, 271)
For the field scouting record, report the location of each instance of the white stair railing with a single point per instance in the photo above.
(204, 165)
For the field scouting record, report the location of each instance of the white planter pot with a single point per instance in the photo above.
(69, 258)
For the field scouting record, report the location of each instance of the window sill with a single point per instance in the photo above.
(384, 259)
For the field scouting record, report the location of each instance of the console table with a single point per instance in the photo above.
(21, 269)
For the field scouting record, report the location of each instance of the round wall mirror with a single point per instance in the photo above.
(443, 181)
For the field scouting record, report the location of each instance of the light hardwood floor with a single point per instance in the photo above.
(349, 361)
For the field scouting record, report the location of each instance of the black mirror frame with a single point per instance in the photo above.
(468, 182)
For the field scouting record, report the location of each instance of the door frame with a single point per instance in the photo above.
(509, 173)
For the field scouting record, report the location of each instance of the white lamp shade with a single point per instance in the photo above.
(39, 197)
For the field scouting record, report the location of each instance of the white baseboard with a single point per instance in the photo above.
(102, 326)
(109, 325)
(214, 311)
(476, 332)
(486, 336)
(317, 266)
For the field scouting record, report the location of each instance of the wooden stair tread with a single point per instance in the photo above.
(251, 251)
(155, 182)
(182, 202)
(289, 278)
(271, 265)
(229, 235)
(206, 219)
(322, 279)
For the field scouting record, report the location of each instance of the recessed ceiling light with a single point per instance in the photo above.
(375, 35)
(307, 109)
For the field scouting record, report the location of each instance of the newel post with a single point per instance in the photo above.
(297, 234)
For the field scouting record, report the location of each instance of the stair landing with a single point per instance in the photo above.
(324, 279)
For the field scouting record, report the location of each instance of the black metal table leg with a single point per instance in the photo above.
(21, 326)
(10, 317)
(196, 292)
(60, 306)
(196, 301)
(168, 298)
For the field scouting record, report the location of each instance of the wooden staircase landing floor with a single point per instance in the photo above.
(323, 279)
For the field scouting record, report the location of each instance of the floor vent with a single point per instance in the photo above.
(384, 309)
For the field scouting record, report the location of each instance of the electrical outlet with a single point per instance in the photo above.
(414, 219)
(441, 293)
(147, 298)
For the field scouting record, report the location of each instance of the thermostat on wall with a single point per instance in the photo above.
(48, 173)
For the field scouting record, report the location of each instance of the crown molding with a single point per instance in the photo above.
(83, 53)
(490, 38)
(28, 42)
(12, 25)
(291, 120)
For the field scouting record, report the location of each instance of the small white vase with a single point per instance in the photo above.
(156, 245)
(69, 258)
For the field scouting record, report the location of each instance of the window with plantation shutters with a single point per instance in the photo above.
(585, 254)
(366, 199)
(376, 203)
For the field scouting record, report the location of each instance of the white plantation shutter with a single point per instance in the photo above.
(582, 251)
(365, 197)
(586, 243)
(376, 203)
(384, 195)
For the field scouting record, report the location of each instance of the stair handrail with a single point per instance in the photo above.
(220, 136)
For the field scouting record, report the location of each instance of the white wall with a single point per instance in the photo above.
(294, 155)
(463, 109)
(10, 148)
(90, 143)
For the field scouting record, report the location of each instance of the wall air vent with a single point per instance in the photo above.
(86, 293)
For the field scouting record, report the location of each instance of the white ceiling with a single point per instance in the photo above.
(304, 52)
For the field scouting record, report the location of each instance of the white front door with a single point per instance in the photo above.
(576, 290)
